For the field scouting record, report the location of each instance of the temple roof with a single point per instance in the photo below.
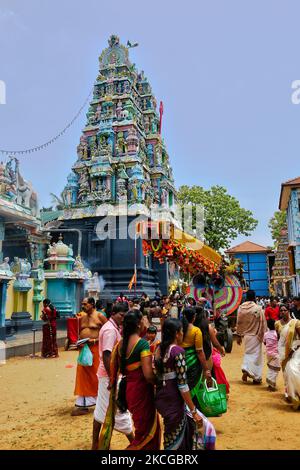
(248, 247)
(286, 190)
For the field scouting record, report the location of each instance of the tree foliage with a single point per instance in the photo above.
(57, 201)
(276, 224)
(224, 218)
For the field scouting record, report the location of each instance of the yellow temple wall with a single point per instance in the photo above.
(15, 303)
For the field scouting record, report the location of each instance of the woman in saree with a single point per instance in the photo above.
(49, 344)
(288, 330)
(209, 336)
(197, 365)
(172, 391)
(133, 359)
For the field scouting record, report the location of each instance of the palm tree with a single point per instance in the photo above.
(58, 202)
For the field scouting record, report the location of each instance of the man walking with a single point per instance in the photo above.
(86, 385)
(272, 310)
(251, 325)
(109, 336)
(296, 308)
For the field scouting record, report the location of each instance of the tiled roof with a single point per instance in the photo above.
(293, 181)
(248, 247)
(286, 190)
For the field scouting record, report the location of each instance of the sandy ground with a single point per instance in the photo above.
(37, 398)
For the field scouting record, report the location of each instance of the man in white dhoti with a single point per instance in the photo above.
(251, 326)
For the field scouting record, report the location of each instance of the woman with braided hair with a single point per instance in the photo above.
(133, 359)
(197, 365)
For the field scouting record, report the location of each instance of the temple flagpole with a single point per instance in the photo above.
(135, 259)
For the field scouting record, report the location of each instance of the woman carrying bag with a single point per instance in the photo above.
(172, 391)
(197, 366)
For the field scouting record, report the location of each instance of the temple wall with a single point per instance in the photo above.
(293, 220)
(114, 259)
(12, 299)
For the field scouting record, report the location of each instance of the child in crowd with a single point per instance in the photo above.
(151, 336)
(218, 371)
(273, 362)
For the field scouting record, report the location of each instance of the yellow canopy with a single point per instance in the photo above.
(194, 244)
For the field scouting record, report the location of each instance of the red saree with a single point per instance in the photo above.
(49, 344)
(140, 401)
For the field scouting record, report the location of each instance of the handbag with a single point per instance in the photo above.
(85, 357)
(213, 401)
(205, 437)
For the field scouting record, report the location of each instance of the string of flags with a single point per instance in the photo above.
(51, 141)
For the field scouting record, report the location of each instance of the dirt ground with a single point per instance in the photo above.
(37, 398)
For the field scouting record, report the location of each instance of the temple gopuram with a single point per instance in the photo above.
(122, 170)
(281, 276)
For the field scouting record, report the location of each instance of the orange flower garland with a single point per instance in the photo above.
(190, 261)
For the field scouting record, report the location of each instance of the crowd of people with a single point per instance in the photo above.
(151, 357)
(277, 325)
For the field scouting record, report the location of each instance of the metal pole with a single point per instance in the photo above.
(135, 257)
(33, 355)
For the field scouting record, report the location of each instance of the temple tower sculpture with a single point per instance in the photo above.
(121, 158)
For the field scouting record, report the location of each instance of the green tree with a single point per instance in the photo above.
(57, 201)
(276, 224)
(224, 218)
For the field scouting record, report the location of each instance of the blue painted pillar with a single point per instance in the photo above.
(113, 187)
(2, 234)
(3, 295)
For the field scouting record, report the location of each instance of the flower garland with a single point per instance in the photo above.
(190, 261)
(157, 248)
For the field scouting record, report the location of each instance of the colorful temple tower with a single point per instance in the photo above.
(122, 162)
(281, 269)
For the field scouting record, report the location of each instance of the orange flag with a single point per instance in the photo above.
(132, 281)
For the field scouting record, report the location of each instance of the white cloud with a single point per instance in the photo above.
(6, 15)
(8, 18)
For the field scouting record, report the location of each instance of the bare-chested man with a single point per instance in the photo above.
(86, 385)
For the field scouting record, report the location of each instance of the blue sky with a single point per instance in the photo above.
(223, 69)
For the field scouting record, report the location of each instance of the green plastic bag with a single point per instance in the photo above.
(213, 401)
(85, 357)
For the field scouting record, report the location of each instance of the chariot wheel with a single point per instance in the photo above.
(228, 340)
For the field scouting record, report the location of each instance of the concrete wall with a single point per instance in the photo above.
(11, 298)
